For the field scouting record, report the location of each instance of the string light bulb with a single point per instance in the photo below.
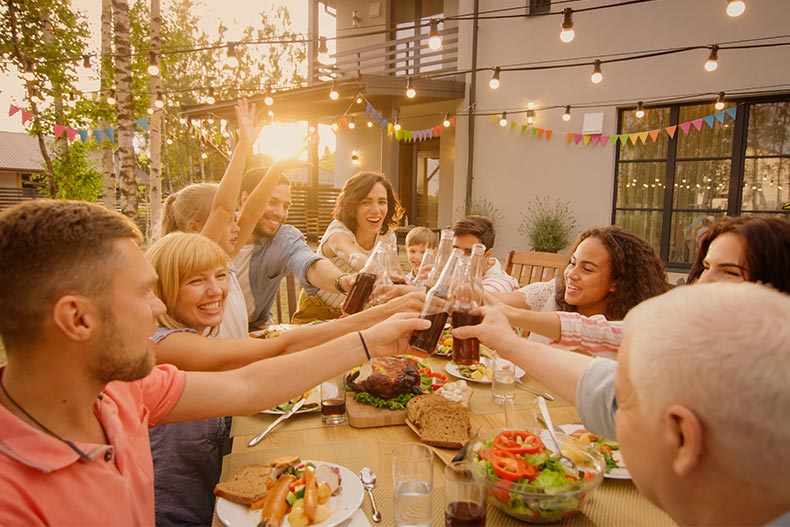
(150, 111)
(359, 99)
(434, 40)
(503, 120)
(530, 116)
(159, 102)
(597, 74)
(268, 100)
(35, 98)
(111, 98)
(640, 110)
(232, 60)
(153, 64)
(323, 51)
(713, 59)
(333, 94)
(446, 123)
(567, 34)
(370, 123)
(72, 100)
(351, 123)
(86, 62)
(410, 91)
(204, 156)
(28, 75)
(735, 7)
(210, 99)
(494, 82)
(567, 115)
(169, 141)
(396, 126)
(720, 101)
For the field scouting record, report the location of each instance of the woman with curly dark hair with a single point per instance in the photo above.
(366, 211)
(745, 249)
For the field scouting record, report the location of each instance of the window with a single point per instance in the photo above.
(670, 190)
(538, 7)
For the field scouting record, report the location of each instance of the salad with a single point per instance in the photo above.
(524, 480)
(445, 346)
(603, 446)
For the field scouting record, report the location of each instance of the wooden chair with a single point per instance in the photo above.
(534, 266)
(291, 289)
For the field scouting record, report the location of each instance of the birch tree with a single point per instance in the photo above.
(125, 108)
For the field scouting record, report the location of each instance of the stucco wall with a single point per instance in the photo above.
(509, 168)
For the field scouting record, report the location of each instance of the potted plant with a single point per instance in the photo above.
(547, 225)
(480, 206)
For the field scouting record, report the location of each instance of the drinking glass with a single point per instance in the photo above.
(521, 412)
(412, 483)
(503, 381)
(333, 400)
(464, 496)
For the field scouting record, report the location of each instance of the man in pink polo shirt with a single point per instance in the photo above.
(80, 388)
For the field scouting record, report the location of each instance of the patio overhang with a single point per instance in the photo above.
(312, 103)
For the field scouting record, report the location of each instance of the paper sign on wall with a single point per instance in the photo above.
(593, 123)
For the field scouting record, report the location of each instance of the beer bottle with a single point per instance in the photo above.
(438, 304)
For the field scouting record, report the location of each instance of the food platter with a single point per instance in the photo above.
(313, 404)
(456, 371)
(616, 473)
(343, 506)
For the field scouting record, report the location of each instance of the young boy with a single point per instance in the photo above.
(417, 241)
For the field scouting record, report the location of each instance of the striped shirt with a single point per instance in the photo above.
(595, 335)
(496, 280)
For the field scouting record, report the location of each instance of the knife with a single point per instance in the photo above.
(257, 439)
(520, 384)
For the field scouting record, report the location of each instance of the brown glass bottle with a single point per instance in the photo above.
(466, 312)
(438, 303)
(466, 351)
(359, 294)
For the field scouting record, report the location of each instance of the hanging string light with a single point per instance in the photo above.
(150, 111)
(434, 40)
(333, 94)
(567, 34)
(268, 100)
(503, 120)
(232, 60)
(359, 99)
(567, 115)
(446, 123)
(72, 100)
(153, 64)
(36, 98)
(86, 62)
(159, 102)
(735, 7)
(720, 101)
(351, 123)
(410, 91)
(713, 59)
(397, 125)
(640, 110)
(323, 51)
(111, 98)
(370, 123)
(169, 141)
(530, 116)
(210, 99)
(597, 74)
(28, 75)
(494, 82)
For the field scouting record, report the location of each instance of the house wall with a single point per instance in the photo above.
(509, 169)
(9, 180)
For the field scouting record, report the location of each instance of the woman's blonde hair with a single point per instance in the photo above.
(175, 258)
(191, 203)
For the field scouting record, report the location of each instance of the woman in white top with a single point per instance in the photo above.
(366, 211)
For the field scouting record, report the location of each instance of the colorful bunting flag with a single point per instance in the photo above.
(59, 129)
(671, 130)
(697, 124)
(12, 110)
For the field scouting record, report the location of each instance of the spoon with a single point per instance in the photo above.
(567, 462)
(368, 482)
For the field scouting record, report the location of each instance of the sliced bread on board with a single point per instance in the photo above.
(439, 422)
(248, 485)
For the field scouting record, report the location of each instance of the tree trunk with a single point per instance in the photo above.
(108, 160)
(123, 88)
(155, 130)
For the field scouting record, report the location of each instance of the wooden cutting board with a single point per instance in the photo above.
(366, 416)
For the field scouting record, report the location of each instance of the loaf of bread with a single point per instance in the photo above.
(248, 485)
(438, 421)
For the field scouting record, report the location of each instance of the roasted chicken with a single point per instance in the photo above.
(386, 377)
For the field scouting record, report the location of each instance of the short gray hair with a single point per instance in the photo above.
(723, 351)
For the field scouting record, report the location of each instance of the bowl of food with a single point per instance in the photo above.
(525, 478)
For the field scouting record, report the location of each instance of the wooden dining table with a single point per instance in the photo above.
(613, 503)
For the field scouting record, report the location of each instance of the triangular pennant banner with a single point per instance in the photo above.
(430, 134)
(26, 116)
(671, 130)
(633, 138)
(534, 131)
(587, 139)
(83, 135)
(577, 138)
(540, 132)
(685, 127)
(653, 135)
(452, 121)
(71, 133)
(604, 140)
(568, 137)
(719, 116)
(732, 112)
(513, 125)
(98, 134)
(709, 120)
(143, 123)
(642, 137)
(110, 132)
(524, 129)
(409, 135)
(548, 134)
(390, 129)
(12, 110)
(59, 129)
(697, 124)
(613, 139)
(595, 140)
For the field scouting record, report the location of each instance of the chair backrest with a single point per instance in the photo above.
(534, 266)
(289, 287)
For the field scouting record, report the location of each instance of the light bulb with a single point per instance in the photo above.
(446, 123)
(153, 64)
(735, 7)
(333, 94)
(567, 34)
(359, 99)
(111, 97)
(640, 110)
(597, 74)
(720, 102)
(713, 59)
(204, 155)
(35, 98)
(270, 114)
(503, 120)
(567, 115)
(231, 59)
(351, 123)
(169, 141)
(150, 111)
(530, 116)
(397, 125)
(370, 124)
(28, 75)
(410, 91)
(159, 102)
(434, 40)
(210, 99)
(323, 51)
(210, 120)
(494, 82)
(268, 100)
(86, 62)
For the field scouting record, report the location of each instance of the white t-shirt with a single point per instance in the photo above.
(234, 320)
(540, 296)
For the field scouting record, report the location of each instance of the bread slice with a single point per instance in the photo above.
(283, 462)
(438, 421)
(248, 485)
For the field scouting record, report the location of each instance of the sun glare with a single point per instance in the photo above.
(280, 140)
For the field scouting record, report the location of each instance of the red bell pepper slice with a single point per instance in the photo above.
(507, 466)
(518, 442)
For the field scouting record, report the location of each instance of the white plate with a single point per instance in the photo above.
(616, 473)
(313, 397)
(452, 369)
(342, 506)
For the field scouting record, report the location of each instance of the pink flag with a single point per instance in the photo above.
(59, 129)
(685, 127)
(697, 124)
(12, 109)
(596, 139)
(604, 140)
(71, 133)
(26, 116)
(577, 138)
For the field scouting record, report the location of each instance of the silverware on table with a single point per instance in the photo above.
(368, 479)
(565, 460)
(257, 439)
(520, 384)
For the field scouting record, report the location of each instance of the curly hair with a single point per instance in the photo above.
(767, 249)
(637, 271)
(355, 190)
